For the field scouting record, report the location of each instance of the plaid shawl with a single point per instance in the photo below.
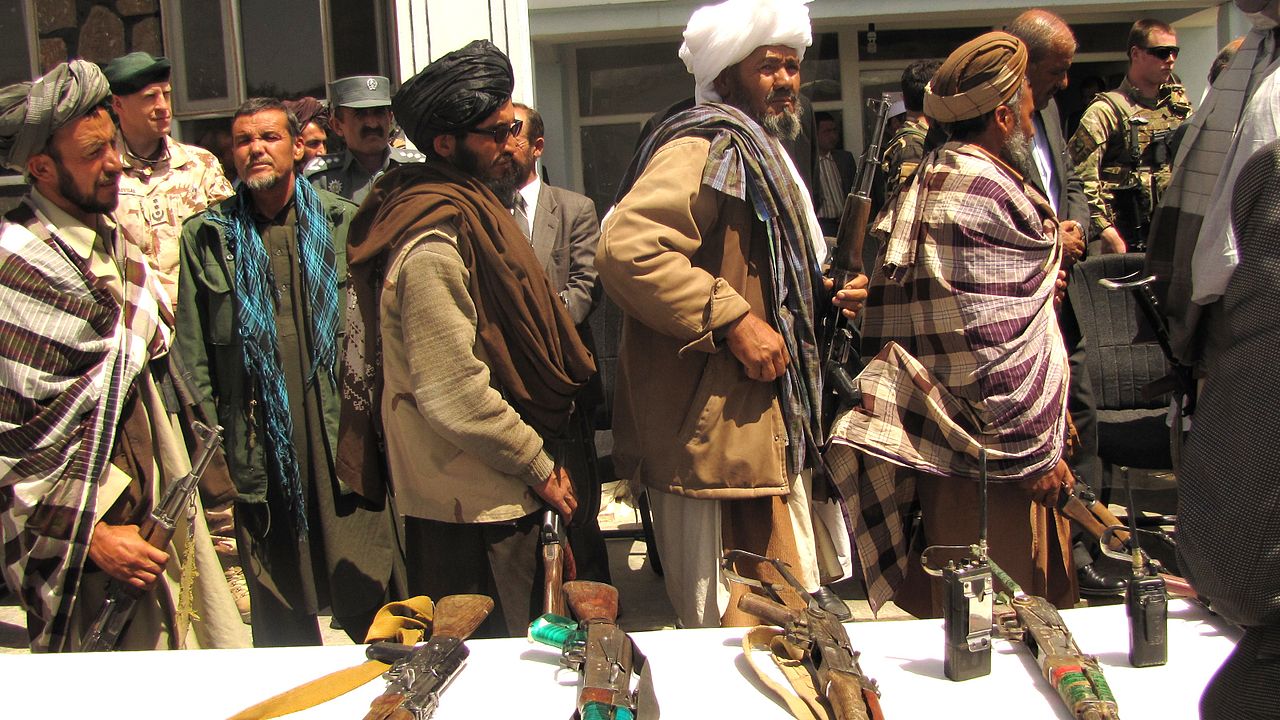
(748, 164)
(69, 354)
(968, 351)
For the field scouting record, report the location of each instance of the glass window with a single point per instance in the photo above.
(15, 52)
(283, 55)
(820, 73)
(916, 44)
(606, 154)
(355, 39)
(204, 58)
(631, 79)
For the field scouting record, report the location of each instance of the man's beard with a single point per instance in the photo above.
(1018, 151)
(504, 185)
(85, 202)
(263, 182)
(784, 125)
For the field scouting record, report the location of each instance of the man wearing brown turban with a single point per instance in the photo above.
(480, 361)
(87, 439)
(967, 351)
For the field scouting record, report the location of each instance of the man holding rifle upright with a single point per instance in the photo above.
(965, 342)
(87, 439)
(719, 390)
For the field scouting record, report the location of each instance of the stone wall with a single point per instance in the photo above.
(96, 30)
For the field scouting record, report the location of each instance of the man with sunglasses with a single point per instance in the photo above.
(459, 347)
(1121, 149)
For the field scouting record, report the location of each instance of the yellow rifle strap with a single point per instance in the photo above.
(407, 622)
(802, 698)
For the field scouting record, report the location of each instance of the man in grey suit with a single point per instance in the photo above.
(563, 230)
(1051, 46)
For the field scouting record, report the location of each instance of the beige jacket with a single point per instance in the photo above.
(456, 450)
(683, 262)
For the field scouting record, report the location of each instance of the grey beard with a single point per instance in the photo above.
(784, 125)
(1018, 153)
(263, 182)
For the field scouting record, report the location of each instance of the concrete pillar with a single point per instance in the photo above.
(428, 29)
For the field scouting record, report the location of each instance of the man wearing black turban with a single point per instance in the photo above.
(458, 350)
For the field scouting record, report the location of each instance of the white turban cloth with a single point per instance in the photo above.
(722, 35)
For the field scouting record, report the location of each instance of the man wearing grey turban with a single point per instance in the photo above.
(459, 349)
(967, 350)
(87, 440)
(712, 254)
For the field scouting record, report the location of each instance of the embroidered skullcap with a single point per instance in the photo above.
(456, 92)
(308, 110)
(719, 36)
(978, 77)
(130, 73)
(31, 111)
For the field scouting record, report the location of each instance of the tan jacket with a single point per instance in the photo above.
(683, 262)
(457, 451)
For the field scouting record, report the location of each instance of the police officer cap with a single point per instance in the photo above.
(360, 91)
(130, 73)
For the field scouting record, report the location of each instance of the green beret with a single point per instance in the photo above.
(130, 73)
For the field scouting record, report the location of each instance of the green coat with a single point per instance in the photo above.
(207, 335)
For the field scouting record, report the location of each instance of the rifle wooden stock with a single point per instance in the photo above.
(552, 565)
(767, 610)
(849, 701)
(1094, 519)
(846, 258)
(592, 601)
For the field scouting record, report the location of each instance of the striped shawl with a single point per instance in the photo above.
(966, 347)
(68, 355)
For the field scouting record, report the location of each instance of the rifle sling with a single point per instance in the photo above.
(801, 696)
(403, 622)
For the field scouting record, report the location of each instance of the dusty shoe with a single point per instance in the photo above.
(239, 591)
(832, 603)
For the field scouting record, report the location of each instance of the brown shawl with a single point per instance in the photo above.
(531, 345)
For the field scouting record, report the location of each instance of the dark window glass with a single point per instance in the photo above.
(356, 46)
(820, 72)
(916, 44)
(15, 53)
(204, 56)
(1101, 37)
(631, 79)
(606, 152)
(283, 56)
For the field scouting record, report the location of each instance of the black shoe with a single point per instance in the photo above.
(1098, 583)
(832, 603)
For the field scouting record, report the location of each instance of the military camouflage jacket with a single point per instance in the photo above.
(1103, 152)
(903, 154)
(343, 175)
(157, 197)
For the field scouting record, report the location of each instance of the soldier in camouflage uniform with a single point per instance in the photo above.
(1121, 149)
(164, 181)
(907, 146)
(361, 116)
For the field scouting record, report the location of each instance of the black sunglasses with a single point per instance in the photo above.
(1163, 51)
(500, 133)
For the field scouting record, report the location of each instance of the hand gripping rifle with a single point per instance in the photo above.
(1076, 677)
(157, 530)
(846, 262)
(966, 617)
(594, 647)
(828, 653)
(419, 674)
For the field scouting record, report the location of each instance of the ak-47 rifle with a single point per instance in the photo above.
(966, 617)
(419, 674)
(595, 648)
(828, 653)
(1076, 677)
(157, 530)
(846, 262)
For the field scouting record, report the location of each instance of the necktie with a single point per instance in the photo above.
(522, 216)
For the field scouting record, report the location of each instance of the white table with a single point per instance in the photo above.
(696, 674)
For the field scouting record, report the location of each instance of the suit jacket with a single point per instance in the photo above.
(845, 165)
(565, 232)
(1071, 200)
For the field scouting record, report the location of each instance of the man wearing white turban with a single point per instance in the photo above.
(712, 247)
(87, 438)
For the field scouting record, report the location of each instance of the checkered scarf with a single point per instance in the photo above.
(746, 163)
(256, 295)
(968, 351)
(69, 352)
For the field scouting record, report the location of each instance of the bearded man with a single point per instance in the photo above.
(259, 316)
(459, 351)
(88, 439)
(719, 389)
(967, 351)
